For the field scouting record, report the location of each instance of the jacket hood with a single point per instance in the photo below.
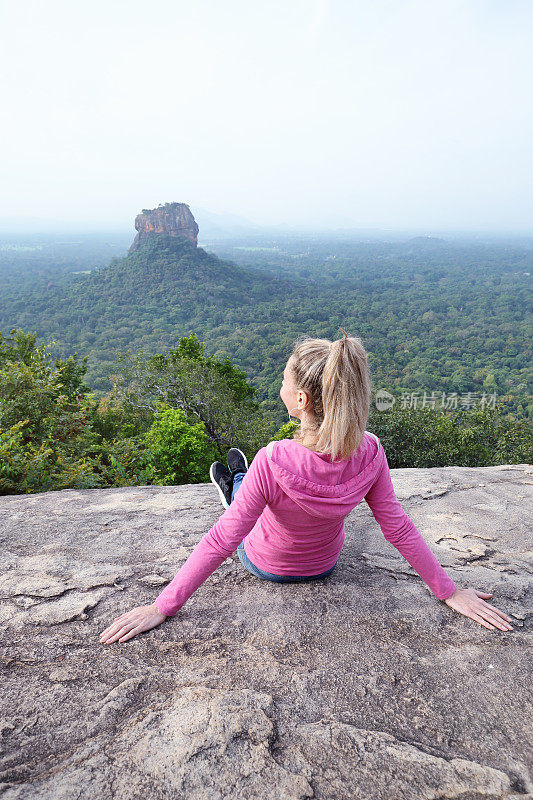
(319, 486)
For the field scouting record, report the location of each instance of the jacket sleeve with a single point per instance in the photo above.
(399, 529)
(222, 539)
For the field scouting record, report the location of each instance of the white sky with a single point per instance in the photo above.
(375, 113)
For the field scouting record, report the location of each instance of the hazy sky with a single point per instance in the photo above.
(375, 113)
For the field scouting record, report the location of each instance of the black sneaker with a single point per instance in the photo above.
(236, 460)
(222, 478)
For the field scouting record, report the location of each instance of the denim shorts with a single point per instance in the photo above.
(270, 576)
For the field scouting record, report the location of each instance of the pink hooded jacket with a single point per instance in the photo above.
(290, 510)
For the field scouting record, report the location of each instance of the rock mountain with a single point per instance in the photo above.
(362, 686)
(172, 219)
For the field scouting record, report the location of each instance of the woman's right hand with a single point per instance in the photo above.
(470, 603)
(139, 619)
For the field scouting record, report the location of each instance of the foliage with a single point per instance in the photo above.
(434, 315)
(204, 388)
(171, 414)
(122, 461)
(285, 431)
(28, 467)
(178, 452)
(466, 438)
(43, 419)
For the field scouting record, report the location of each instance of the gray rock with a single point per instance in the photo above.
(362, 685)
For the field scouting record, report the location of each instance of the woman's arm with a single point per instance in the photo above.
(400, 530)
(210, 552)
(221, 540)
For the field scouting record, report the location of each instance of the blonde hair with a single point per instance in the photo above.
(336, 375)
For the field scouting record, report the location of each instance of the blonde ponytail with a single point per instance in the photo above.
(336, 375)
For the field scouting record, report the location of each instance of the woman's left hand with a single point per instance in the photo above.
(470, 603)
(139, 619)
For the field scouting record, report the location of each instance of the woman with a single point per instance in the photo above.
(285, 514)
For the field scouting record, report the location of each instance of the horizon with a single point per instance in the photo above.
(21, 226)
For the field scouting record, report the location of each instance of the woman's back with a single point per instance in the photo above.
(301, 529)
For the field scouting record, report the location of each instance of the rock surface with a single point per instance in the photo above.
(362, 685)
(172, 219)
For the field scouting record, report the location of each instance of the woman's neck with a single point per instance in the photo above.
(307, 434)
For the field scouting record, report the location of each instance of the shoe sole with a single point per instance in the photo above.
(215, 484)
(243, 456)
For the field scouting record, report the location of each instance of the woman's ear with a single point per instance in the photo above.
(303, 397)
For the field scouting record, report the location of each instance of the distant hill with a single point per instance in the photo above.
(175, 276)
(223, 226)
(426, 240)
(166, 288)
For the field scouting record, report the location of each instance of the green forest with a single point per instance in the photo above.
(435, 317)
(170, 415)
(147, 367)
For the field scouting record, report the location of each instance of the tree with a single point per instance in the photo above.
(428, 437)
(178, 452)
(204, 388)
(45, 433)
